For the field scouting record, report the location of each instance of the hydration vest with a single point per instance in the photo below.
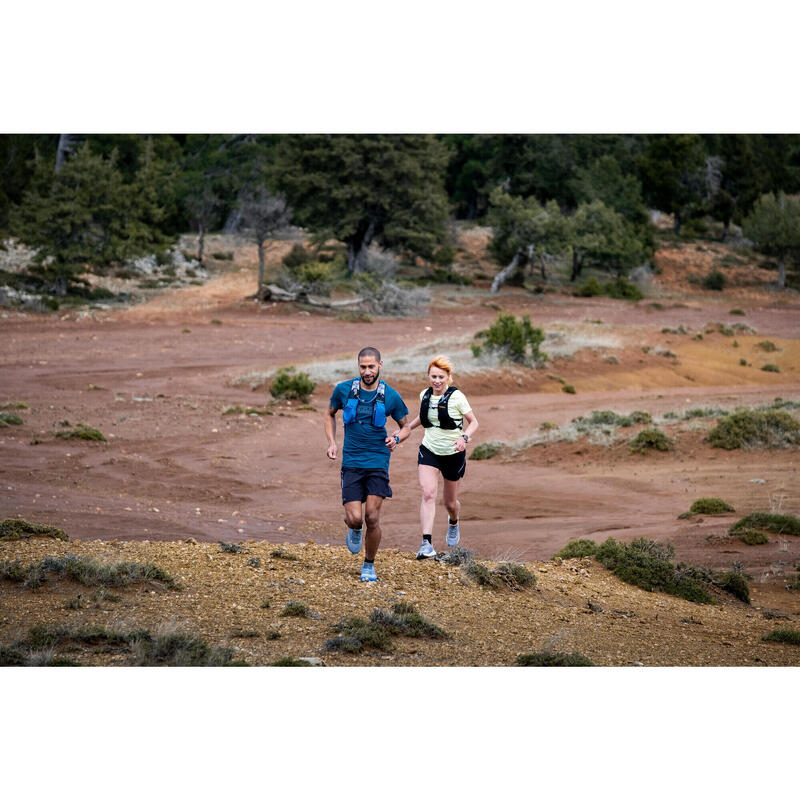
(445, 420)
(378, 407)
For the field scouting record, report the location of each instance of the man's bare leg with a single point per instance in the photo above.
(372, 516)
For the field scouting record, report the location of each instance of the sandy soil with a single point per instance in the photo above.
(156, 379)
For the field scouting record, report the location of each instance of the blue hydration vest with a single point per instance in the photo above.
(378, 408)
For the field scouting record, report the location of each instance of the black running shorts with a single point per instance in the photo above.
(452, 467)
(358, 483)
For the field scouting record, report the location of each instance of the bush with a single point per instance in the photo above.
(392, 299)
(407, 621)
(516, 576)
(715, 281)
(649, 565)
(782, 524)
(650, 439)
(784, 635)
(751, 536)
(711, 505)
(294, 609)
(229, 547)
(292, 385)
(748, 428)
(296, 257)
(356, 634)
(512, 339)
(735, 583)
(767, 346)
(548, 659)
(7, 419)
(770, 368)
(81, 431)
(444, 256)
(619, 289)
(485, 451)
(14, 529)
(577, 548)
(568, 388)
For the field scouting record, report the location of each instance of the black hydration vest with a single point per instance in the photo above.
(445, 420)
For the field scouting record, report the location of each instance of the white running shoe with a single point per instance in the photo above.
(426, 550)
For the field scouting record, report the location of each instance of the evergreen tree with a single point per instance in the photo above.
(364, 188)
(774, 226)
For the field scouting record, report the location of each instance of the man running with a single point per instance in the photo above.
(366, 403)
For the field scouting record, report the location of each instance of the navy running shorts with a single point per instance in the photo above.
(452, 467)
(358, 483)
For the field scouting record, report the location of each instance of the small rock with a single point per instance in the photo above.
(757, 480)
(190, 540)
(314, 662)
(638, 664)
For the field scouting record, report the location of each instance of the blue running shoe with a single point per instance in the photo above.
(354, 540)
(425, 551)
(453, 535)
(368, 572)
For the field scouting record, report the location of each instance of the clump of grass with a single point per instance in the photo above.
(288, 661)
(650, 566)
(767, 346)
(485, 451)
(11, 657)
(481, 575)
(737, 312)
(550, 659)
(770, 368)
(568, 388)
(751, 536)
(354, 316)
(16, 405)
(247, 410)
(291, 385)
(514, 575)
(7, 418)
(784, 635)
(81, 431)
(405, 620)
(577, 548)
(284, 554)
(176, 649)
(295, 609)
(14, 529)
(230, 547)
(763, 521)
(694, 413)
(711, 506)
(748, 428)
(650, 439)
(356, 634)
(459, 556)
(87, 572)
(612, 419)
(254, 562)
(272, 635)
(733, 582)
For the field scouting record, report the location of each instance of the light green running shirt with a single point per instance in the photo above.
(441, 441)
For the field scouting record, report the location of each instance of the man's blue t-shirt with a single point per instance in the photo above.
(364, 444)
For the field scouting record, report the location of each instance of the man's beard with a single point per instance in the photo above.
(373, 379)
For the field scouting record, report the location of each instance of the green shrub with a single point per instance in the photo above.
(649, 565)
(485, 450)
(751, 536)
(11, 657)
(737, 311)
(770, 368)
(748, 428)
(227, 256)
(715, 281)
(284, 554)
(735, 583)
(650, 439)
(577, 548)
(568, 388)
(481, 575)
(356, 634)
(229, 547)
(407, 621)
(784, 635)
(296, 257)
(782, 524)
(548, 659)
(516, 576)
(591, 288)
(294, 609)
(711, 505)
(622, 289)
(444, 256)
(459, 556)
(7, 419)
(178, 650)
(292, 385)
(14, 529)
(767, 346)
(512, 339)
(81, 431)
(287, 661)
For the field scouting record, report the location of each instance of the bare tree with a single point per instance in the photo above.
(265, 214)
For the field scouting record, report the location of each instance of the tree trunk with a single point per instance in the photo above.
(677, 227)
(726, 227)
(201, 232)
(357, 247)
(506, 273)
(577, 265)
(781, 273)
(233, 221)
(67, 142)
(260, 264)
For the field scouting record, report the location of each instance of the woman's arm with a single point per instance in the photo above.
(472, 426)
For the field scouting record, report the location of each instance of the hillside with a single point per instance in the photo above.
(230, 602)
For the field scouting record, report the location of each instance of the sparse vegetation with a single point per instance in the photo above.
(287, 661)
(782, 524)
(711, 505)
(81, 431)
(247, 410)
(770, 368)
(551, 659)
(612, 419)
(747, 428)
(507, 573)
(284, 554)
(650, 439)
(715, 281)
(767, 346)
(13, 529)
(8, 418)
(751, 536)
(230, 547)
(291, 385)
(577, 548)
(783, 635)
(485, 451)
(459, 556)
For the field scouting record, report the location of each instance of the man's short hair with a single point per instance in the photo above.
(369, 351)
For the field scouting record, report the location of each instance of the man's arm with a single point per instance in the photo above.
(402, 433)
(329, 420)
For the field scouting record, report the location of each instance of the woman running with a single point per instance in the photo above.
(443, 409)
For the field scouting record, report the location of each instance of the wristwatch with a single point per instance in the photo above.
(465, 437)
(397, 438)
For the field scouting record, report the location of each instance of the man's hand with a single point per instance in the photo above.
(332, 451)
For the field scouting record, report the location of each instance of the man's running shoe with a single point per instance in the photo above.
(425, 551)
(368, 572)
(453, 535)
(354, 540)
